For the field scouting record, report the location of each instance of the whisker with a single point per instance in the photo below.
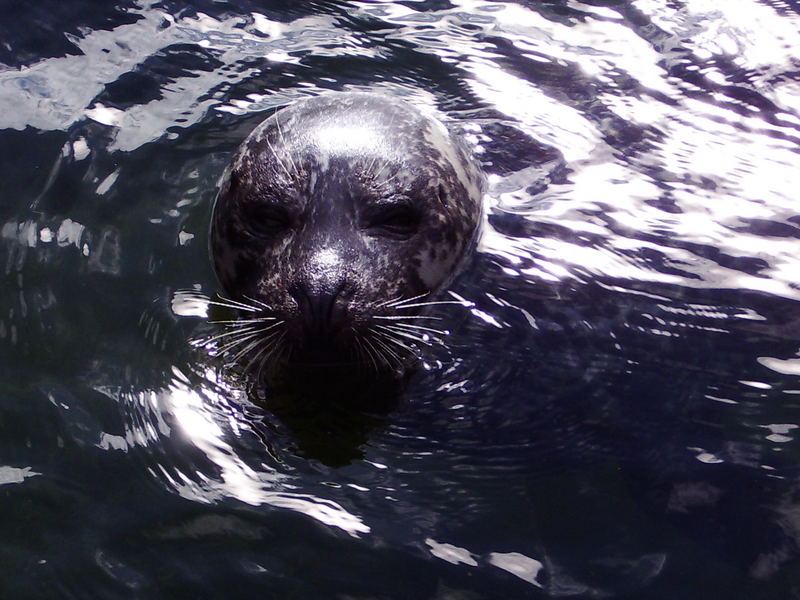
(412, 328)
(288, 154)
(263, 363)
(243, 322)
(251, 328)
(391, 353)
(380, 346)
(389, 302)
(364, 351)
(389, 180)
(432, 303)
(205, 341)
(394, 340)
(373, 353)
(234, 305)
(404, 334)
(259, 303)
(284, 351)
(360, 352)
(277, 157)
(254, 344)
(239, 336)
(264, 340)
(269, 352)
(256, 357)
(223, 351)
(399, 301)
(404, 317)
(233, 300)
(225, 348)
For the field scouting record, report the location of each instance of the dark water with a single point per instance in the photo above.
(616, 417)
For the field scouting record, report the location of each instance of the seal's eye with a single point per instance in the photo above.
(265, 221)
(398, 220)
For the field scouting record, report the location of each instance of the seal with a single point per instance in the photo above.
(335, 224)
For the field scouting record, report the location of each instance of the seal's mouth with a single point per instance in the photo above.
(324, 349)
(360, 346)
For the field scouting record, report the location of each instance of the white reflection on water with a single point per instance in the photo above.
(9, 475)
(518, 564)
(206, 427)
(721, 166)
(450, 553)
(60, 91)
(746, 30)
(543, 118)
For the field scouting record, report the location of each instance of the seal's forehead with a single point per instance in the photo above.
(351, 125)
(338, 138)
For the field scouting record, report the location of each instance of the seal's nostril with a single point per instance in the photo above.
(321, 307)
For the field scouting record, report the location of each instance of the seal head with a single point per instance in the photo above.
(338, 217)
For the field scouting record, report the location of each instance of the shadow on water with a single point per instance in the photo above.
(330, 412)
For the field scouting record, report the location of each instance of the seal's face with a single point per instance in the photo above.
(337, 216)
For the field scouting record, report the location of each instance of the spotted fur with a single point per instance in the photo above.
(318, 201)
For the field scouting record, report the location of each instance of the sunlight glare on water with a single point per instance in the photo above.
(614, 412)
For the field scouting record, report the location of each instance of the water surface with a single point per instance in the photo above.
(615, 412)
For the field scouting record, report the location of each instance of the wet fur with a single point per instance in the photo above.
(325, 163)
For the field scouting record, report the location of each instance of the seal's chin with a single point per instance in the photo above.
(329, 372)
(331, 411)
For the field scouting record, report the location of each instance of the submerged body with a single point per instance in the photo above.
(336, 221)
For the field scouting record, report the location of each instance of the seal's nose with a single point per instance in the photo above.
(322, 308)
(320, 290)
